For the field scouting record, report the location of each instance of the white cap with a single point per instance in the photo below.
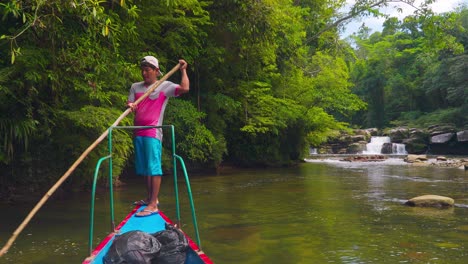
(150, 61)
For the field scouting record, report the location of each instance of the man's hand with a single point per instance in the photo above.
(132, 106)
(183, 64)
(184, 81)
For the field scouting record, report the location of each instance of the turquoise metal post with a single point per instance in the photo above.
(174, 165)
(111, 189)
(192, 205)
(93, 195)
(176, 190)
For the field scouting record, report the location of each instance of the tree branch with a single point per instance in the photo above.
(357, 12)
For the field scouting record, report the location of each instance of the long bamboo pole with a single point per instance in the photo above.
(77, 162)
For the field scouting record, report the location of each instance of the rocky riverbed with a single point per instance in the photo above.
(434, 140)
(439, 161)
(412, 160)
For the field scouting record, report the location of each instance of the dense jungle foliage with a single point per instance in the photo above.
(268, 78)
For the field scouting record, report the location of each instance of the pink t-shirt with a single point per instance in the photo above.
(150, 111)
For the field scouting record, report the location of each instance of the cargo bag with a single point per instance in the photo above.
(133, 247)
(174, 246)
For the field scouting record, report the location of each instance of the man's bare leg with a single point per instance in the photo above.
(153, 185)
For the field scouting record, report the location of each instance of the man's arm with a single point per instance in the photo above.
(184, 82)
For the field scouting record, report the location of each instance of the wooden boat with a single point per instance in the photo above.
(148, 224)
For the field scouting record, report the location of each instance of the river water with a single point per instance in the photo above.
(322, 211)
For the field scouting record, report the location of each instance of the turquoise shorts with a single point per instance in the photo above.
(147, 156)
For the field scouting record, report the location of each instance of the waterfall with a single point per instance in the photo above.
(399, 149)
(376, 144)
(312, 151)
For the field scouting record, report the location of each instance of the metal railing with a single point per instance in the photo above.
(175, 158)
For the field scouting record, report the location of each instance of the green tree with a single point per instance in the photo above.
(415, 67)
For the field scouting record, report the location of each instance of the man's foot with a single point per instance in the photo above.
(147, 212)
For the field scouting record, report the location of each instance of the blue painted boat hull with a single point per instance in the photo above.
(149, 224)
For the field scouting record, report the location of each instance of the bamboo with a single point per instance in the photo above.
(77, 162)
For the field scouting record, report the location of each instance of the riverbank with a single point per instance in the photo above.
(434, 140)
(460, 162)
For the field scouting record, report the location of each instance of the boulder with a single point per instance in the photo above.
(398, 134)
(344, 139)
(431, 201)
(462, 136)
(418, 133)
(442, 138)
(387, 148)
(363, 132)
(357, 138)
(373, 131)
(357, 147)
(441, 129)
(415, 158)
(415, 145)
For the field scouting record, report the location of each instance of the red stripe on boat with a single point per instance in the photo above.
(109, 237)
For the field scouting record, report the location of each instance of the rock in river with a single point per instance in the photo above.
(431, 201)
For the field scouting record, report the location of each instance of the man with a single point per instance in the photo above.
(150, 112)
